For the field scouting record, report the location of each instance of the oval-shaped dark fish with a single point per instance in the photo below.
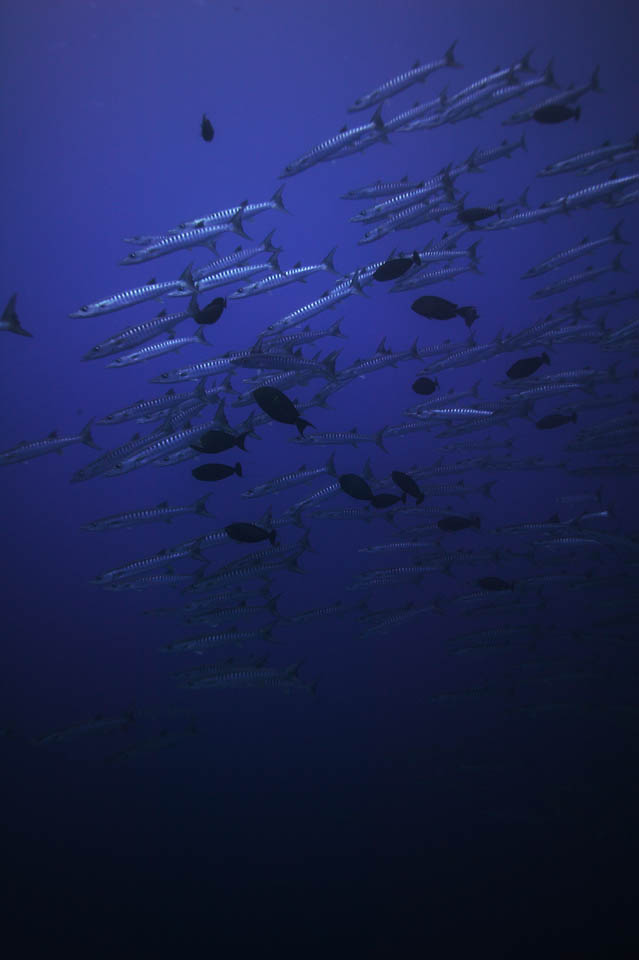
(407, 484)
(434, 308)
(553, 420)
(396, 268)
(495, 583)
(278, 406)
(452, 524)
(212, 312)
(355, 486)
(216, 471)
(217, 441)
(425, 386)
(249, 533)
(526, 366)
(475, 214)
(556, 113)
(382, 500)
(206, 129)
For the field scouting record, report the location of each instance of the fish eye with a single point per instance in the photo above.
(133, 255)
(84, 309)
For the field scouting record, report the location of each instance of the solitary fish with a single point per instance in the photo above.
(355, 486)
(425, 386)
(278, 406)
(437, 308)
(552, 420)
(249, 533)
(407, 485)
(212, 312)
(216, 471)
(556, 113)
(396, 268)
(206, 129)
(9, 320)
(526, 366)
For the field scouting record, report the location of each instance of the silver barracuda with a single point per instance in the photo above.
(23, 452)
(129, 298)
(418, 73)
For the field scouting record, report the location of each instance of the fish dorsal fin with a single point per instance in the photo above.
(415, 65)
(162, 505)
(296, 265)
(554, 518)
(52, 435)
(162, 313)
(302, 468)
(353, 430)
(344, 128)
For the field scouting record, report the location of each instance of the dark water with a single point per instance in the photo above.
(419, 799)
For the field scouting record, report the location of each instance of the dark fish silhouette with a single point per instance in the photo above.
(495, 583)
(217, 441)
(249, 533)
(556, 113)
(212, 312)
(355, 486)
(395, 268)
(278, 406)
(407, 484)
(552, 420)
(383, 500)
(425, 386)
(437, 308)
(526, 366)
(216, 471)
(206, 129)
(475, 214)
(452, 523)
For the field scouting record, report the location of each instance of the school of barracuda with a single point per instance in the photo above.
(517, 568)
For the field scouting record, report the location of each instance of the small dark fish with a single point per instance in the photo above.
(249, 533)
(556, 113)
(407, 484)
(437, 308)
(217, 441)
(206, 129)
(452, 524)
(212, 312)
(216, 471)
(495, 583)
(278, 406)
(553, 420)
(383, 500)
(526, 366)
(355, 486)
(475, 214)
(397, 267)
(425, 386)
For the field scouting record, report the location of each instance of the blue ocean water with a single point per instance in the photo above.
(419, 797)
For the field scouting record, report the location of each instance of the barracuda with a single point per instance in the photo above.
(246, 210)
(195, 237)
(574, 253)
(566, 97)
(327, 149)
(443, 183)
(134, 336)
(170, 345)
(579, 161)
(289, 480)
(239, 256)
(24, 451)
(339, 292)
(417, 74)
(162, 513)
(129, 298)
(281, 278)
(591, 273)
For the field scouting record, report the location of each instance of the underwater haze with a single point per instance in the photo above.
(320, 621)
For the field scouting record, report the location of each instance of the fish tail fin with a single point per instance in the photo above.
(10, 317)
(356, 285)
(472, 251)
(449, 56)
(487, 488)
(330, 465)
(238, 468)
(241, 440)
(545, 358)
(524, 63)
(618, 265)
(328, 261)
(335, 331)
(272, 536)
(523, 200)
(199, 506)
(615, 234)
(379, 438)
(577, 112)
(193, 308)
(235, 224)
(199, 335)
(302, 424)
(186, 278)
(268, 245)
(85, 436)
(277, 200)
(471, 162)
(594, 81)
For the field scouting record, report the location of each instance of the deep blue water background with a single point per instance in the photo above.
(368, 815)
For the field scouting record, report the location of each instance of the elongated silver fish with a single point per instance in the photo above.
(170, 345)
(150, 291)
(193, 237)
(161, 513)
(417, 74)
(24, 451)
